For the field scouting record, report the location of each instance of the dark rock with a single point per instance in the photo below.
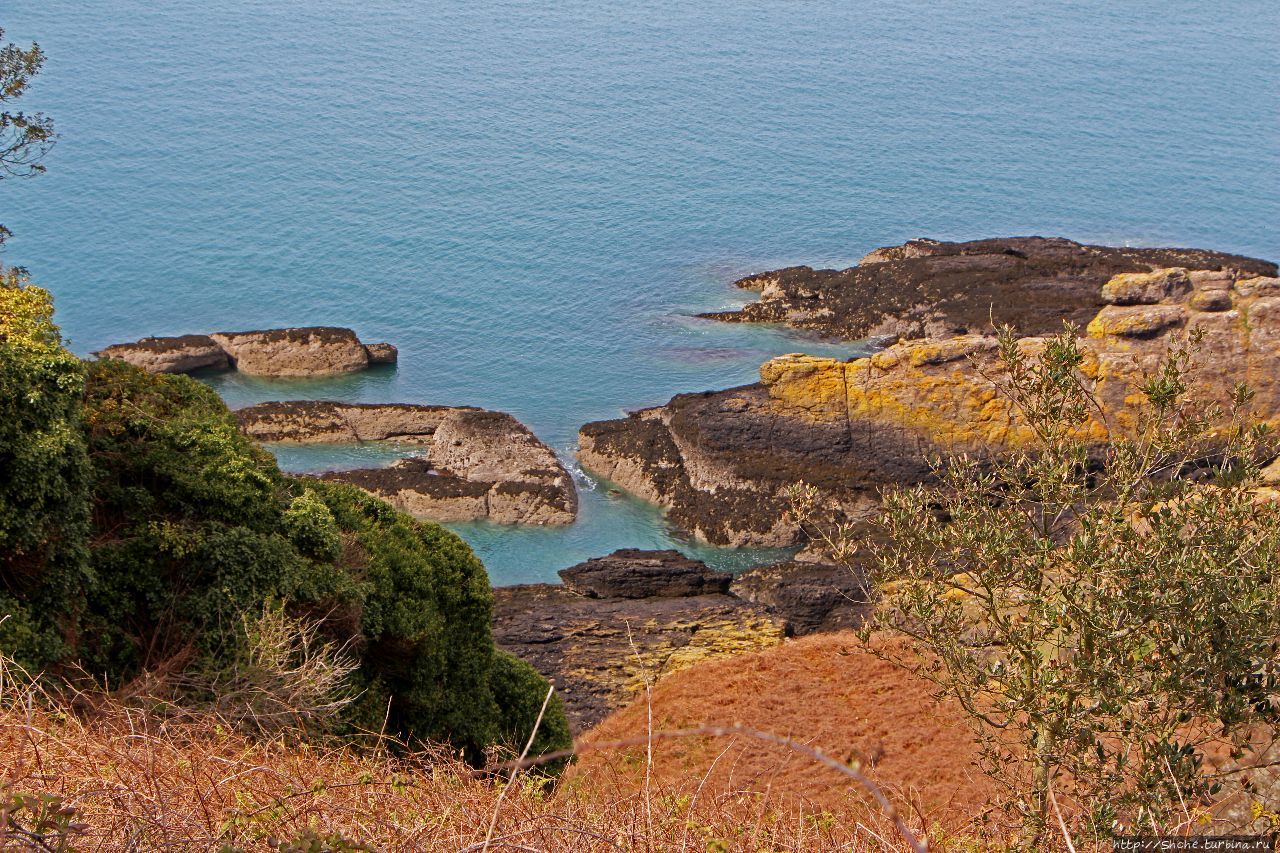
(812, 597)
(600, 651)
(381, 353)
(634, 573)
(927, 288)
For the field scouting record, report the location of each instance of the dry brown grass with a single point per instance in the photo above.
(136, 782)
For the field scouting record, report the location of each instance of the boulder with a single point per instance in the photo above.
(381, 353)
(1145, 288)
(634, 573)
(928, 288)
(185, 354)
(811, 597)
(314, 351)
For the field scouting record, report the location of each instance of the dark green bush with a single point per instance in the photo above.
(193, 526)
(44, 482)
(519, 691)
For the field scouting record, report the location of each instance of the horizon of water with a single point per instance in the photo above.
(532, 201)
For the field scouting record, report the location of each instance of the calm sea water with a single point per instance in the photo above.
(531, 199)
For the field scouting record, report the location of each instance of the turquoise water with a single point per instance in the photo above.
(531, 199)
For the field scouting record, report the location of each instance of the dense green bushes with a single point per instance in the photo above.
(192, 527)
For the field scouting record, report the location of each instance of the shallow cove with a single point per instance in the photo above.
(530, 198)
(608, 519)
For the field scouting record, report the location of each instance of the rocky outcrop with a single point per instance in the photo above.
(599, 650)
(637, 615)
(927, 288)
(323, 421)
(633, 573)
(308, 351)
(474, 464)
(722, 462)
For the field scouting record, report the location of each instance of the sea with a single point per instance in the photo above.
(533, 200)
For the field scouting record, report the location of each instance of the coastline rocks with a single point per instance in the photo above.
(306, 351)
(475, 464)
(722, 462)
(928, 288)
(324, 421)
(599, 651)
(633, 573)
(635, 615)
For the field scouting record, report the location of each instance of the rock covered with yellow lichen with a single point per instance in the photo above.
(722, 461)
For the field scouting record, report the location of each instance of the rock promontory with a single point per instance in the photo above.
(722, 462)
(473, 463)
(307, 351)
(929, 288)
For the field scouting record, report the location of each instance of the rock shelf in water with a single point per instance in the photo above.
(928, 288)
(474, 464)
(306, 351)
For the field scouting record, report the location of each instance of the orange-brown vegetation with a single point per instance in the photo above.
(136, 782)
(825, 690)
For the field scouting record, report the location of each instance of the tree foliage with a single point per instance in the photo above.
(24, 137)
(1102, 612)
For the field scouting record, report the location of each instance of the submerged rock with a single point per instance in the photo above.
(475, 464)
(306, 351)
(927, 288)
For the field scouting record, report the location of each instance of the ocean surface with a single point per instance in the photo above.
(531, 200)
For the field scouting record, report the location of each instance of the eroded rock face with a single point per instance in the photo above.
(634, 573)
(927, 288)
(321, 421)
(722, 461)
(307, 351)
(475, 464)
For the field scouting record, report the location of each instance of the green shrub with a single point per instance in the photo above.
(193, 528)
(44, 486)
(519, 691)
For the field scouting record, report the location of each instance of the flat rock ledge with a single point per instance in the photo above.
(307, 351)
(929, 288)
(633, 573)
(638, 615)
(474, 464)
